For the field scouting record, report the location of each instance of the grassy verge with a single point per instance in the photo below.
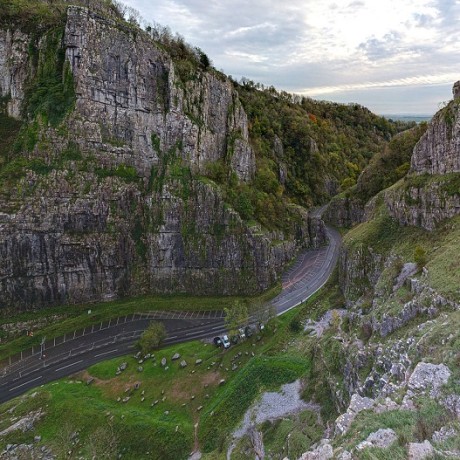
(76, 317)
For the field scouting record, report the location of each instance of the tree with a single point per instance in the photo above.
(152, 337)
(263, 312)
(236, 316)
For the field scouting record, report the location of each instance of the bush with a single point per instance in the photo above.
(295, 325)
(420, 257)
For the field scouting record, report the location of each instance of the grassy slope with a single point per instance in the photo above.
(147, 432)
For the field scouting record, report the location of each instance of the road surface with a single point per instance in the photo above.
(117, 337)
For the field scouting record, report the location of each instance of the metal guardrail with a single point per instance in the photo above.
(9, 364)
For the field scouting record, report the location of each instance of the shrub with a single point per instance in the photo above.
(295, 325)
(420, 257)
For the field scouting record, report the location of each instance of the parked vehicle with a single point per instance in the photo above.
(225, 341)
(221, 341)
(248, 331)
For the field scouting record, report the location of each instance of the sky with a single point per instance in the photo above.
(392, 56)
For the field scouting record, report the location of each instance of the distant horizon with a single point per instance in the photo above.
(388, 56)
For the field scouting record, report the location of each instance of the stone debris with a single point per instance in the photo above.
(176, 356)
(163, 362)
(198, 361)
(183, 364)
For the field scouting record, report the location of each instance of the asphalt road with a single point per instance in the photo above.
(308, 274)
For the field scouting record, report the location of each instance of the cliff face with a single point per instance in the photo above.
(438, 152)
(112, 201)
(127, 92)
(431, 191)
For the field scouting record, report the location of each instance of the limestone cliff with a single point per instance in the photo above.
(431, 191)
(108, 196)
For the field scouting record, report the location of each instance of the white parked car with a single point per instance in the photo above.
(225, 341)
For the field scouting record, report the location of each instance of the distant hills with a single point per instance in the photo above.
(408, 117)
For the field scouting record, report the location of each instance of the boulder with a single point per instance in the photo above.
(420, 450)
(382, 438)
(176, 356)
(323, 451)
(429, 377)
(183, 363)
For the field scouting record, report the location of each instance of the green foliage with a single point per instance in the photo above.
(243, 204)
(390, 164)
(315, 140)
(295, 325)
(152, 337)
(125, 172)
(236, 316)
(229, 404)
(51, 93)
(71, 153)
(420, 257)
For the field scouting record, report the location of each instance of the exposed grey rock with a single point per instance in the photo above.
(183, 363)
(357, 405)
(72, 238)
(452, 403)
(344, 212)
(123, 366)
(429, 378)
(323, 451)
(409, 269)
(163, 362)
(438, 151)
(382, 438)
(420, 450)
(24, 424)
(175, 356)
(198, 361)
(443, 434)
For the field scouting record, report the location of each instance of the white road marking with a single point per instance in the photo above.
(195, 332)
(68, 365)
(25, 383)
(106, 353)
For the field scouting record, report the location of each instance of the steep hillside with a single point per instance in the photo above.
(131, 165)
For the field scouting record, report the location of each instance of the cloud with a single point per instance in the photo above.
(355, 47)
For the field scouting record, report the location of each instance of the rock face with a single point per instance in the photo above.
(438, 151)
(91, 231)
(424, 205)
(344, 212)
(124, 80)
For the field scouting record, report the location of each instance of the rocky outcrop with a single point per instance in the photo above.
(438, 151)
(344, 211)
(13, 68)
(424, 205)
(122, 79)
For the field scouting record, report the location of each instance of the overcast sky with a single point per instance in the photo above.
(393, 56)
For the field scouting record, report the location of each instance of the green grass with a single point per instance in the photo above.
(76, 316)
(232, 401)
(143, 431)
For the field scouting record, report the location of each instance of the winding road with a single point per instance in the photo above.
(69, 354)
